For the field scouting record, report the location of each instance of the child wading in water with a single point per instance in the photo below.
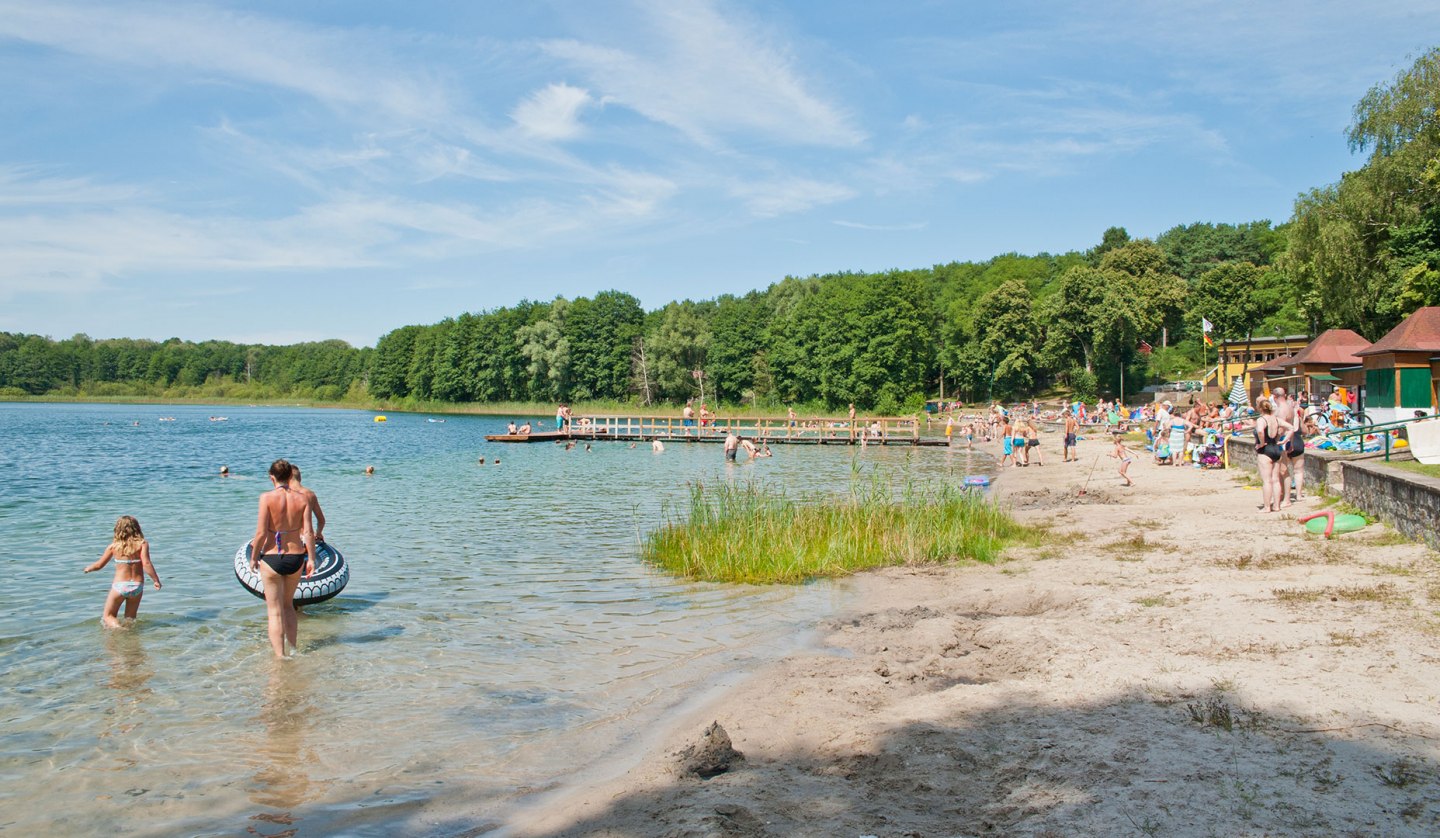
(1122, 454)
(132, 561)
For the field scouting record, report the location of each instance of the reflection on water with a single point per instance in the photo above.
(498, 630)
(280, 759)
(127, 707)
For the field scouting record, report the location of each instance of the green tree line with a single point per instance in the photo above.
(1361, 253)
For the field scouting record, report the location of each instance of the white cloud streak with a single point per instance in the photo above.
(340, 68)
(553, 112)
(708, 75)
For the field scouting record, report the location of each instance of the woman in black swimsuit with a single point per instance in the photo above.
(1269, 430)
(283, 547)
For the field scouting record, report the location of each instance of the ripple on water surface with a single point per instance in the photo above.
(498, 630)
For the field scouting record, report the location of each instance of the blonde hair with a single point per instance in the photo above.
(128, 537)
(1265, 406)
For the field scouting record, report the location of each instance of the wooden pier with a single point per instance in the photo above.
(815, 430)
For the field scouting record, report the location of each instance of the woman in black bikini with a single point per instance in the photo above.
(285, 545)
(1269, 430)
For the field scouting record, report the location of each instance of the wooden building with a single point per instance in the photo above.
(1329, 361)
(1237, 358)
(1401, 369)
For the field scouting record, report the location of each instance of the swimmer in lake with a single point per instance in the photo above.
(131, 553)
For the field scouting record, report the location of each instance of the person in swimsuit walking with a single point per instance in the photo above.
(131, 553)
(283, 548)
(1269, 430)
(318, 524)
(1122, 454)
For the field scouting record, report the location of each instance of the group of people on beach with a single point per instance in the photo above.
(1192, 435)
(289, 524)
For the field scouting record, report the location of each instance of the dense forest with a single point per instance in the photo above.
(1361, 253)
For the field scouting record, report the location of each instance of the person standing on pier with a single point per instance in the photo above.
(687, 417)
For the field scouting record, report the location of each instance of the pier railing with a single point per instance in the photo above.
(813, 429)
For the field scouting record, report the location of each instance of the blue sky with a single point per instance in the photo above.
(280, 171)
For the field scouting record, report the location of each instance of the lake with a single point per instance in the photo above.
(498, 634)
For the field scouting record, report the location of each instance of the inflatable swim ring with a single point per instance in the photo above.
(1320, 523)
(332, 573)
(379, 418)
(977, 480)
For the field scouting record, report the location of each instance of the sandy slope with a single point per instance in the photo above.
(1174, 663)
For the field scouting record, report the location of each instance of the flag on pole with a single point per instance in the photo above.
(1206, 336)
(1206, 326)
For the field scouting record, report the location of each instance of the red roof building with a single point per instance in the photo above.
(1402, 368)
(1329, 361)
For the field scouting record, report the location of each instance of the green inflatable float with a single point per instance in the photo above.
(1328, 523)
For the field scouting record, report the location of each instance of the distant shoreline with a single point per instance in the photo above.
(543, 409)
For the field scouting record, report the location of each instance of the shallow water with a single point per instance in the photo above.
(499, 630)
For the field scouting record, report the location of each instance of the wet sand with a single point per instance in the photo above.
(1172, 662)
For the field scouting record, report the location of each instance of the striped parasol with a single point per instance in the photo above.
(1238, 394)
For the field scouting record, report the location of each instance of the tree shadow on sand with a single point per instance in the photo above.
(1134, 765)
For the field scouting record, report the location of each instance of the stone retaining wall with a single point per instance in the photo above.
(1407, 501)
(1322, 468)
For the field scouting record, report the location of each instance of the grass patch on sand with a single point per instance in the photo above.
(1415, 467)
(758, 535)
(1131, 548)
(1383, 592)
(1155, 601)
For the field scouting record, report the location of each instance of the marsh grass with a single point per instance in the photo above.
(753, 534)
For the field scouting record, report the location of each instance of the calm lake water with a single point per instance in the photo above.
(499, 631)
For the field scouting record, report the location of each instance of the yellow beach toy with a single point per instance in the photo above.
(379, 418)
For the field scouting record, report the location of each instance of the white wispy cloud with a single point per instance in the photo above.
(553, 112)
(30, 186)
(883, 228)
(786, 195)
(710, 75)
(341, 68)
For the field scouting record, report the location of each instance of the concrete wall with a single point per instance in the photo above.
(1322, 468)
(1407, 501)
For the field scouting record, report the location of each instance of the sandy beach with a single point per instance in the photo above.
(1171, 662)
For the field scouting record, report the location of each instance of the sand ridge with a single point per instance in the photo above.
(1170, 662)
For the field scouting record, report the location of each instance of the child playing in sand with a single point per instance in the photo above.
(131, 553)
(1122, 454)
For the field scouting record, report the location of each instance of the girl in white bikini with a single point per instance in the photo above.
(131, 553)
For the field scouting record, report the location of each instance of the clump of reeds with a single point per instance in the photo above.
(755, 534)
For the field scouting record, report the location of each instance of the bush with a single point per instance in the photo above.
(1083, 384)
